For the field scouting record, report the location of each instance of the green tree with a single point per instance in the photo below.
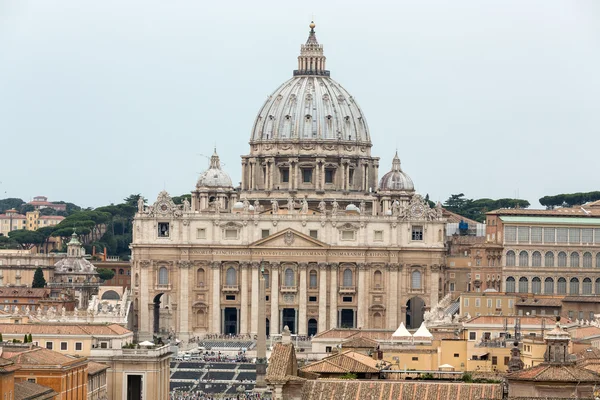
(179, 199)
(9, 203)
(27, 239)
(25, 208)
(105, 274)
(38, 278)
(349, 375)
(30, 340)
(25, 339)
(46, 233)
(1, 340)
(132, 199)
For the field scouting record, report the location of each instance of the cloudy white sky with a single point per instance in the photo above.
(102, 99)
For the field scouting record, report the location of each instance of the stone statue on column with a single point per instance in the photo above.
(322, 207)
(290, 205)
(186, 205)
(334, 207)
(274, 207)
(304, 206)
(363, 207)
(140, 204)
(256, 206)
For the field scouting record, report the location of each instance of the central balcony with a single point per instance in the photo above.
(347, 289)
(230, 288)
(289, 289)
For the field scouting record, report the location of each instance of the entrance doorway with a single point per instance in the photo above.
(289, 319)
(415, 310)
(231, 320)
(156, 322)
(346, 318)
(312, 327)
(134, 387)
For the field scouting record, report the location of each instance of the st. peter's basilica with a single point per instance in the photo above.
(337, 247)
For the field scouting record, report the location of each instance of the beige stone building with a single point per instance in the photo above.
(336, 245)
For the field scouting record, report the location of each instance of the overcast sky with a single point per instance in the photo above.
(101, 99)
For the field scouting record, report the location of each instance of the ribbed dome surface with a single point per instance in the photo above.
(311, 108)
(396, 179)
(214, 176)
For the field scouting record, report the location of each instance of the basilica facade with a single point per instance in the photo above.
(336, 245)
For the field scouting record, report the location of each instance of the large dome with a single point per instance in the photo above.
(214, 176)
(311, 105)
(396, 179)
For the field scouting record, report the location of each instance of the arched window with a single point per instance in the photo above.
(200, 277)
(231, 277)
(312, 281)
(536, 259)
(377, 321)
(549, 286)
(347, 277)
(561, 286)
(587, 286)
(549, 259)
(587, 260)
(416, 279)
(137, 279)
(110, 295)
(121, 271)
(574, 286)
(562, 259)
(267, 280)
(523, 285)
(575, 259)
(597, 286)
(523, 259)
(289, 278)
(536, 285)
(377, 279)
(510, 258)
(510, 284)
(163, 276)
(597, 260)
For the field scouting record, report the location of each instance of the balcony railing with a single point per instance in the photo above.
(73, 284)
(230, 288)
(289, 289)
(347, 289)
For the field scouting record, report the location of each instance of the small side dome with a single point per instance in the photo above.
(214, 176)
(238, 207)
(396, 179)
(351, 208)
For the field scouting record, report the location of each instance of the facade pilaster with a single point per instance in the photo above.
(254, 318)
(362, 307)
(145, 325)
(434, 283)
(274, 321)
(333, 295)
(215, 323)
(322, 297)
(392, 288)
(302, 321)
(184, 311)
(244, 299)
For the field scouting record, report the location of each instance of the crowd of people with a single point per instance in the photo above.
(224, 336)
(200, 395)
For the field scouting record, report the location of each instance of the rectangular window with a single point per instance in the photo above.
(466, 302)
(327, 349)
(523, 234)
(456, 355)
(574, 235)
(489, 303)
(452, 275)
(417, 232)
(49, 345)
(265, 233)
(494, 360)
(347, 299)
(510, 234)
(511, 303)
(498, 303)
(587, 235)
(415, 358)
(562, 235)
(231, 233)
(477, 303)
(307, 175)
(32, 380)
(350, 175)
(549, 235)
(472, 335)
(347, 235)
(329, 175)
(163, 229)
(200, 233)
(78, 346)
(452, 286)
(285, 175)
(63, 346)
(580, 315)
(312, 299)
(104, 345)
(230, 297)
(506, 359)
(313, 233)
(536, 234)
(571, 314)
(378, 236)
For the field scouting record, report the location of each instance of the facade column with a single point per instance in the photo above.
(322, 297)
(144, 323)
(291, 175)
(244, 172)
(323, 175)
(216, 297)
(254, 303)
(302, 321)
(317, 176)
(376, 173)
(343, 177)
(274, 321)
(272, 173)
(244, 299)
(183, 308)
(362, 309)
(333, 295)
(392, 313)
(296, 173)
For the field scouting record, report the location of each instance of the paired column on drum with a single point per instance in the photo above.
(215, 321)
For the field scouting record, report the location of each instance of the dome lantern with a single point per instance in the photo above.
(311, 60)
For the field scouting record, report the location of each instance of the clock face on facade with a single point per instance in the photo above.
(163, 207)
(417, 210)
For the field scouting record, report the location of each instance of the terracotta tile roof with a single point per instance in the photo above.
(591, 353)
(581, 299)
(342, 333)
(401, 390)
(584, 332)
(360, 343)
(13, 216)
(94, 367)
(24, 292)
(26, 390)
(7, 365)
(555, 373)
(499, 319)
(455, 218)
(559, 212)
(63, 329)
(282, 365)
(36, 356)
(56, 217)
(539, 303)
(347, 361)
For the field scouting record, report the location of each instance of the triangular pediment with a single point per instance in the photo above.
(289, 238)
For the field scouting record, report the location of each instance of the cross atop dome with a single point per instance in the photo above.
(311, 60)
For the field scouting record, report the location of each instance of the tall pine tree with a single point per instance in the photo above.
(38, 278)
